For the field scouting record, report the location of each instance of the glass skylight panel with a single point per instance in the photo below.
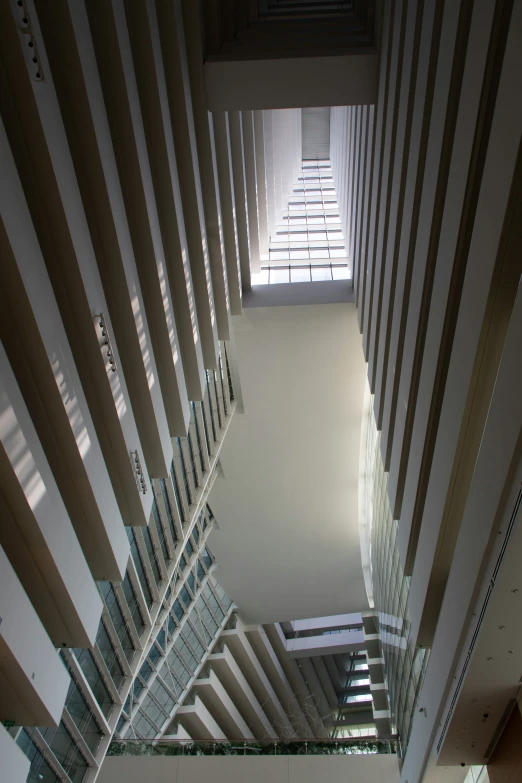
(281, 275)
(300, 274)
(262, 277)
(321, 273)
(308, 243)
(340, 273)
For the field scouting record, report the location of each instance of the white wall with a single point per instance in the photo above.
(288, 539)
(232, 769)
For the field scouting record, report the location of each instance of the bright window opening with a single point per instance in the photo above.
(308, 244)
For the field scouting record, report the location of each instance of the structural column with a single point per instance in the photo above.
(268, 133)
(178, 88)
(238, 169)
(259, 142)
(247, 123)
(219, 122)
(207, 162)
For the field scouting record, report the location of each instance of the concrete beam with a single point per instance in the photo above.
(296, 680)
(330, 644)
(247, 124)
(326, 682)
(266, 655)
(222, 707)
(33, 681)
(221, 132)
(257, 679)
(198, 721)
(61, 216)
(36, 531)
(259, 140)
(241, 693)
(207, 163)
(41, 358)
(296, 82)
(174, 49)
(240, 194)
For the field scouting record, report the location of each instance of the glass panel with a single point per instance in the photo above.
(81, 714)
(132, 603)
(121, 723)
(321, 273)
(312, 203)
(152, 710)
(154, 654)
(138, 565)
(170, 679)
(186, 655)
(159, 530)
(299, 253)
(300, 274)
(175, 486)
(279, 275)
(185, 596)
(94, 678)
(260, 278)
(145, 671)
(178, 667)
(318, 253)
(160, 638)
(206, 558)
(166, 500)
(118, 620)
(279, 255)
(39, 771)
(66, 751)
(109, 656)
(162, 696)
(144, 726)
(152, 555)
(184, 473)
(340, 273)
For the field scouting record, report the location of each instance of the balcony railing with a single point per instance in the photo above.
(298, 747)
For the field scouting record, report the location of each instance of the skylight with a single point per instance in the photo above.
(308, 244)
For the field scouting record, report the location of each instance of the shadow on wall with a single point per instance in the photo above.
(320, 292)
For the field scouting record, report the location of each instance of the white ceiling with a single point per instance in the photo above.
(288, 544)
